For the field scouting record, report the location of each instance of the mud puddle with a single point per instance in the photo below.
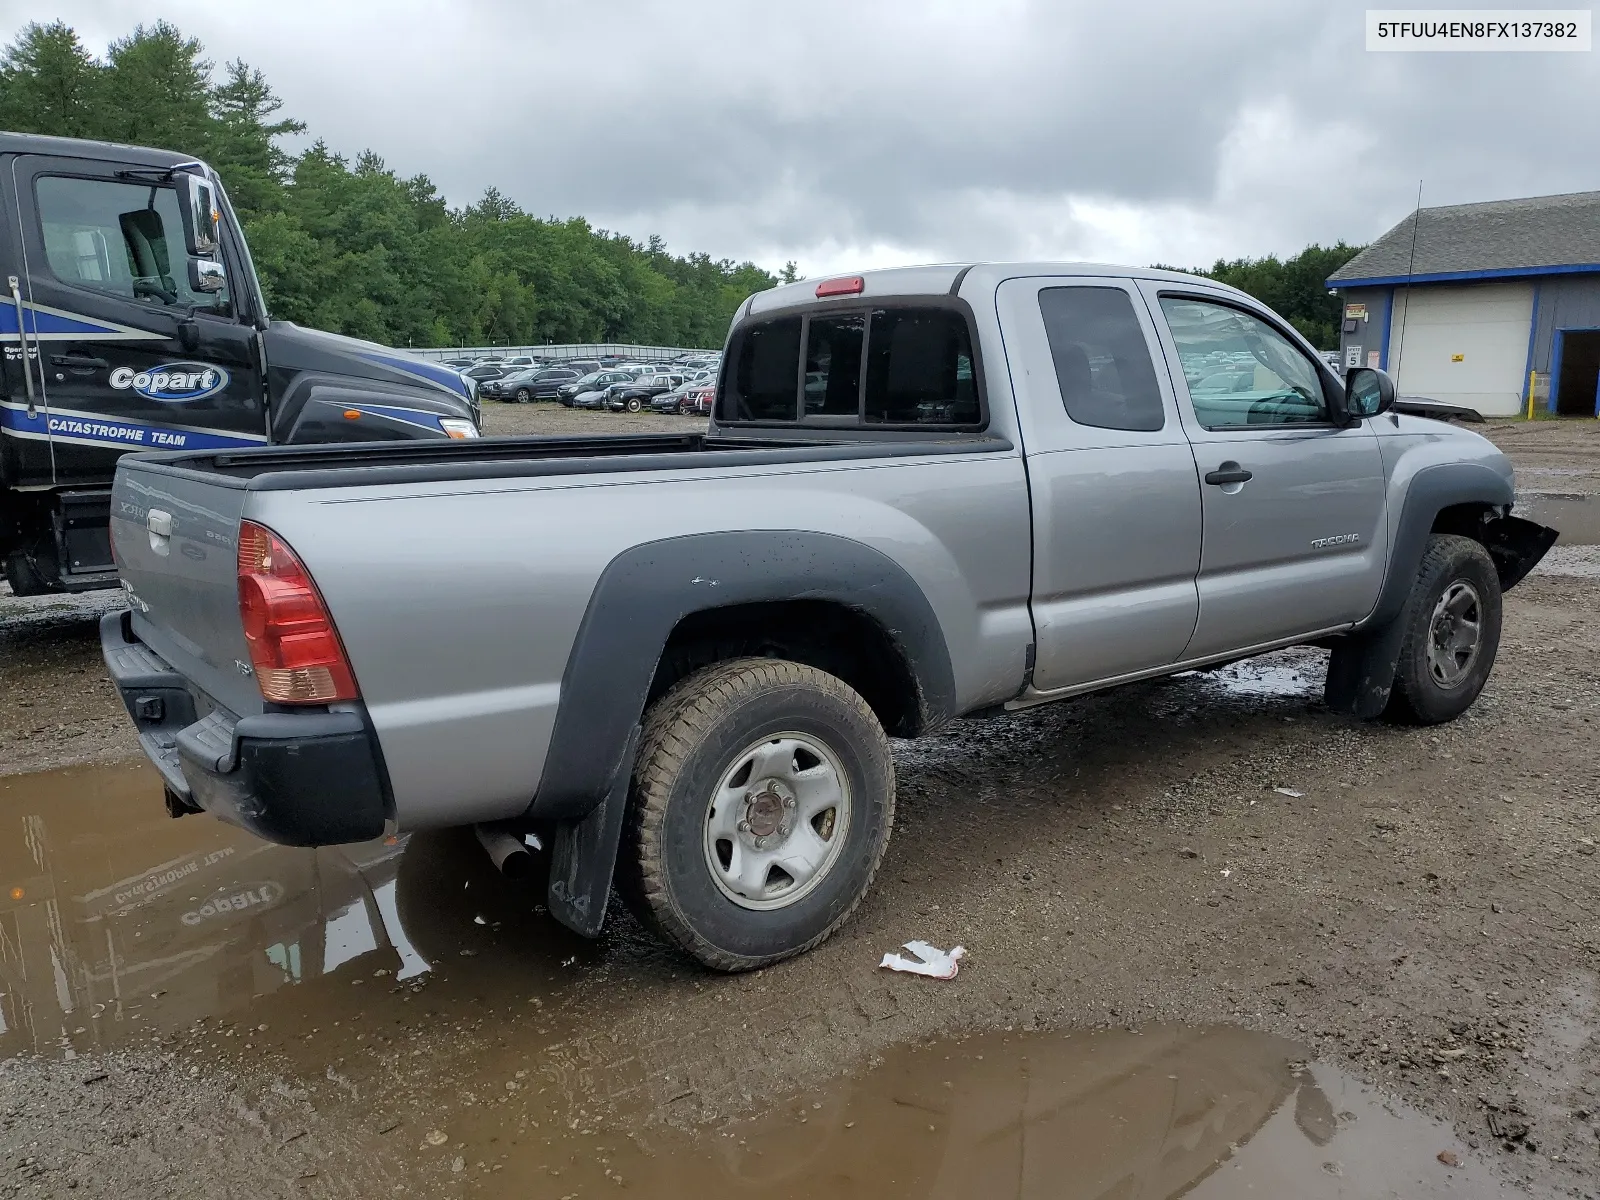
(1206, 1113)
(1576, 515)
(118, 922)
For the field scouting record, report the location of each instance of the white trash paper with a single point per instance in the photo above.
(930, 961)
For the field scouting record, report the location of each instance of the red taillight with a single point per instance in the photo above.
(294, 647)
(853, 286)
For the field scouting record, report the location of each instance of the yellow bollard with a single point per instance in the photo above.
(1530, 395)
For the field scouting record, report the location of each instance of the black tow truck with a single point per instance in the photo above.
(131, 318)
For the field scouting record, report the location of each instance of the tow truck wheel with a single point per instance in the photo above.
(762, 800)
(1452, 633)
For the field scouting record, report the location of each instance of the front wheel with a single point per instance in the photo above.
(523, 395)
(1452, 633)
(762, 801)
(634, 405)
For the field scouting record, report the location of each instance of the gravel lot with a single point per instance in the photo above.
(1414, 911)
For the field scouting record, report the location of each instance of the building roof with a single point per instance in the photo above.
(1541, 235)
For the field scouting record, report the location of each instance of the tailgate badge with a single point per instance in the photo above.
(243, 667)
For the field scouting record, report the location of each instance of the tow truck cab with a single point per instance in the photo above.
(131, 318)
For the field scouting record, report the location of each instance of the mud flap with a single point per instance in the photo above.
(583, 856)
(1362, 668)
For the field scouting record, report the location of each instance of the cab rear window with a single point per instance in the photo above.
(879, 366)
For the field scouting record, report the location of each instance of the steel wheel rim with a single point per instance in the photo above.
(777, 822)
(1455, 634)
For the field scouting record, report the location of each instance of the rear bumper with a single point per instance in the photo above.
(297, 778)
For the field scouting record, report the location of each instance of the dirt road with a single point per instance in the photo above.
(1365, 956)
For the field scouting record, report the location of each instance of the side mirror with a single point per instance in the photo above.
(198, 207)
(206, 275)
(1368, 392)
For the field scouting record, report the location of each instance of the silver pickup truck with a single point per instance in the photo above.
(925, 494)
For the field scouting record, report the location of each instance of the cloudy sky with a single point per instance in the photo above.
(876, 132)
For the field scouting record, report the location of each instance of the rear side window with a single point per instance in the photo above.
(882, 366)
(1102, 359)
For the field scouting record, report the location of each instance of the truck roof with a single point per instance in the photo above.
(60, 147)
(941, 279)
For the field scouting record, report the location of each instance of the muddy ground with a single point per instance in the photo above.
(1390, 933)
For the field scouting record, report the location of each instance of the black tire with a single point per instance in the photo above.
(634, 405)
(523, 395)
(692, 737)
(1426, 692)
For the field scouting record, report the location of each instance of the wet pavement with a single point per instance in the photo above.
(122, 926)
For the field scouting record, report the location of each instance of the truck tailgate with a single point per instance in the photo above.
(175, 536)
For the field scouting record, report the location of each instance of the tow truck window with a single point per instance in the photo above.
(124, 239)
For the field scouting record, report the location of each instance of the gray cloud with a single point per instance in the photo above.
(839, 132)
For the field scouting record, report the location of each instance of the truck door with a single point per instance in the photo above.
(1116, 502)
(131, 357)
(1296, 538)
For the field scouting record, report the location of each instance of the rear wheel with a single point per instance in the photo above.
(762, 801)
(1452, 633)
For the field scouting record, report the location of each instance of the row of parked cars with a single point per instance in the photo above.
(684, 385)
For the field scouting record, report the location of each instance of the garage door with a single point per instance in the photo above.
(1463, 345)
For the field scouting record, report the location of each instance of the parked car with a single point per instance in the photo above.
(530, 383)
(485, 371)
(631, 397)
(567, 393)
(697, 401)
(729, 634)
(522, 360)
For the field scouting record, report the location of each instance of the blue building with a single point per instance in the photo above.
(1487, 305)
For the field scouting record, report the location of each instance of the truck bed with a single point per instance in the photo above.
(328, 466)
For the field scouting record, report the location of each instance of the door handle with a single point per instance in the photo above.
(1226, 474)
(78, 362)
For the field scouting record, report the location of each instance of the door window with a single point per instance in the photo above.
(1102, 359)
(123, 239)
(1241, 371)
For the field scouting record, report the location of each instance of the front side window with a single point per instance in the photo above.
(123, 239)
(1101, 358)
(1241, 371)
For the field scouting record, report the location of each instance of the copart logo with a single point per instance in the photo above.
(229, 902)
(172, 383)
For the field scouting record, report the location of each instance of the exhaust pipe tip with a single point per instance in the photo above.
(509, 854)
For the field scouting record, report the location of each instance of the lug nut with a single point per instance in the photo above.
(744, 826)
(788, 801)
(761, 843)
(783, 830)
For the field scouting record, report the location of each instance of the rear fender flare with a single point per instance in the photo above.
(647, 590)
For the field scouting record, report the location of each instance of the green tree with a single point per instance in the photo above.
(50, 84)
(158, 90)
(243, 140)
(1295, 288)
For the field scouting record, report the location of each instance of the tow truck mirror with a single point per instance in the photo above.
(1368, 392)
(206, 275)
(200, 216)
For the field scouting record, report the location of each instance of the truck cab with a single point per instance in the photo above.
(132, 319)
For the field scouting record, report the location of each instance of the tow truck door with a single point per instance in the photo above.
(24, 437)
(106, 297)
